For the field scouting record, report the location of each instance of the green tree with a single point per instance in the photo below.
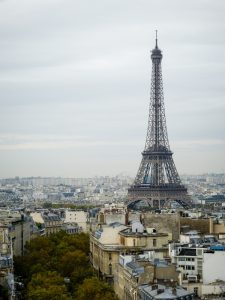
(40, 243)
(73, 261)
(46, 286)
(94, 289)
(3, 293)
(78, 242)
(47, 260)
(47, 205)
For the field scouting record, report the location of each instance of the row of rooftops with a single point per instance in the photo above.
(208, 242)
(186, 251)
(51, 217)
(135, 230)
(163, 289)
(128, 232)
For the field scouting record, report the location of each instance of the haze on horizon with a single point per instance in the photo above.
(75, 85)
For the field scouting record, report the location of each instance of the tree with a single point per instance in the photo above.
(47, 205)
(94, 289)
(48, 260)
(78, 242)
(40, 243)
(46, 286)
(3, 293)
(73, 261)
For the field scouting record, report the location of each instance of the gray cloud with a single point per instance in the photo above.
(74, 82)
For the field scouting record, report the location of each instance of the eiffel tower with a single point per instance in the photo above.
(157, 180)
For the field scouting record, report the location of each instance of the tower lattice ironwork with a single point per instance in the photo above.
(157, 179)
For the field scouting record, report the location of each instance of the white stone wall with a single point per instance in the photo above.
(77, 216)
(22, 235)
(214, 289)
(137, 227)
(134, 216)
(37, 217)
(114, 217)
(184, 239)
(110, 235)
(213, 267)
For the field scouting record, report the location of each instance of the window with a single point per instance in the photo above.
(122, 240)
(110, 269)
(181, 259)
(134, 242)
(110, 256)
(154, 242)
(196, 290)
(180, 266)
(189, 259)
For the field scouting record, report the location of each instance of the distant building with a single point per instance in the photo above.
(164, 222)
(53, 223)
(17, 228)
(49, 222)
(117, 212)
(78, 217)
(71, 228)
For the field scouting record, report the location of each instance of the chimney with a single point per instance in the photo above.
(174, 291)
(126, 218)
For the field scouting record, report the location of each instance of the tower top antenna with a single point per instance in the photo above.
(156, 38)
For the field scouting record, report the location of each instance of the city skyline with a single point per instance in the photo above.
(75, 85)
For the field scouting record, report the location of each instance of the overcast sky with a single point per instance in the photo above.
(75, 84)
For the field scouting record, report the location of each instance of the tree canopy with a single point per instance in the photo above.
(59, 265)
(94, 289)
(47, 285)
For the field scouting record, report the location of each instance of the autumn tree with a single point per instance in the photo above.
(51, 261)
(94, 289)
(46, 286)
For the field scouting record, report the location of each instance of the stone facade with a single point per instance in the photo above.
(164, 222)
(173, 224)
(201, 225)
(79, 217)
(107, 243)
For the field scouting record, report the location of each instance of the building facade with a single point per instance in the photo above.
(107, 243)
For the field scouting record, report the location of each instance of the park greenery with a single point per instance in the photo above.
(85, 207)
(58, 268)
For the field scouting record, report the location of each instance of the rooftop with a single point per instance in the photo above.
(129, 232)
(188, 252)
(160, 291)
